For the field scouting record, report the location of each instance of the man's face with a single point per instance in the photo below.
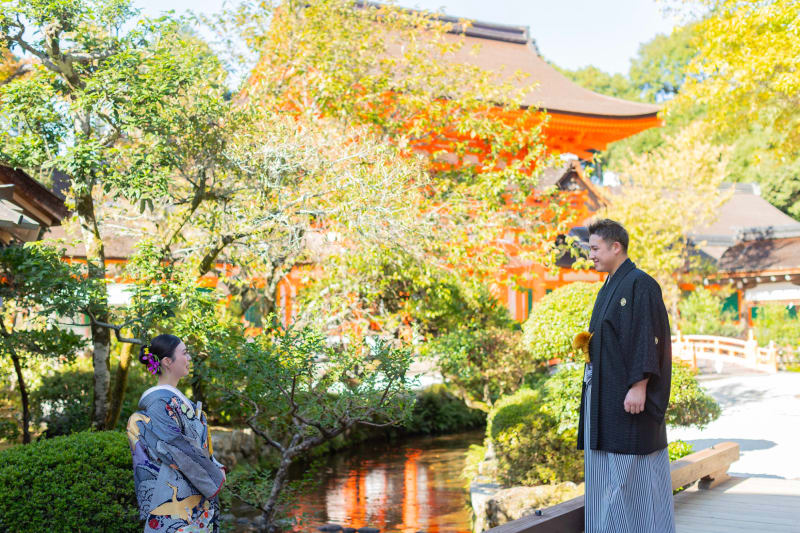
(604, 255)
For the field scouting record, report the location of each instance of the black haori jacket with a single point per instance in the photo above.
(631, 341)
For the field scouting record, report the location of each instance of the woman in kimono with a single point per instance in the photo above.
(176, 476)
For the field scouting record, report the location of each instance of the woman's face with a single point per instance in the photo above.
(178, 366)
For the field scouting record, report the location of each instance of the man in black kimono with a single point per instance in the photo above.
(625, 396)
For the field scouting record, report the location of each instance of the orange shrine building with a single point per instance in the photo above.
(581, 122)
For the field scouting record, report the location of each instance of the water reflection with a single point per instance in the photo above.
(407, 486)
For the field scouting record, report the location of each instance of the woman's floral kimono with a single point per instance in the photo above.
(177, 478)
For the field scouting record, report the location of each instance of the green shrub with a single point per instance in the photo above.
(437, 410)
(701, 314)
(483, 363)
(563, 390)
(678, 449)
(556, 318)
(530, 445)
(83, 482)
(689, 404)
(773, 322)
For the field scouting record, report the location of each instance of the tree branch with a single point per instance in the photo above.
(115, 328)
(258, 431)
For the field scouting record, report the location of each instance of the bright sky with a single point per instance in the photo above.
(571, 33)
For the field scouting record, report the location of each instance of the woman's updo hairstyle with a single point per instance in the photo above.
(161, 346)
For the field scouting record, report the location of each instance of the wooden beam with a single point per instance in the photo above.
(562, 518)
(710, 466)
(704, 464)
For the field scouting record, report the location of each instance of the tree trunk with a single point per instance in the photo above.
(101, 336)
(120, 385)
(23, 392)
(278, 484)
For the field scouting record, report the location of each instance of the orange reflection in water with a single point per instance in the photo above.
(396, 489)
(410, 499)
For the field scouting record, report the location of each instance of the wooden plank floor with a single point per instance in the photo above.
(752, 504)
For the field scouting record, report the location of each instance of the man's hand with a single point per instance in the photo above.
(634, 400)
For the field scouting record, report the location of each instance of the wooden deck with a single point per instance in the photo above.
(714, 502)
(751, 504)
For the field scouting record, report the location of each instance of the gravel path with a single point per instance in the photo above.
(762, 413)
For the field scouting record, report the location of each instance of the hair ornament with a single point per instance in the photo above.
(153, 364)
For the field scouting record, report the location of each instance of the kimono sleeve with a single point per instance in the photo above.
(173, 448)
(646, 343)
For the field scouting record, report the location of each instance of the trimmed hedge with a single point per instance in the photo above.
(82, 482)
(531, 444)
(556, 318)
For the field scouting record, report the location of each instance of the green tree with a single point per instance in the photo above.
(658, 70)
(746, 70)
(666, 194)
(396, 72)
(656, 74)
(453, 318)
(143, 122)
(98, 84)
(35, 286)
(594, 79)
(299, 393)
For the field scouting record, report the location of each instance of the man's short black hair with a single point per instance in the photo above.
(610, 231)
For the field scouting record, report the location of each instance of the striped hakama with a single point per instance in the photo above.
(625, 493)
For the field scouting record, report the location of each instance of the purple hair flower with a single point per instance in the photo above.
(153, 364)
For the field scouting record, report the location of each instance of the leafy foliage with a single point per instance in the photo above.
(556, 319)
(658, 70)
(680, 177)
(412, 91)
(689, 403)
(483, 363)
(34, 286)
(774, 323)
(594, 79)
(437, 410)
(453, 317)
(300, 393)
(62, 400)
(531, 446)
(746, 71)
(678, 449)
(82, 482)
(701, 314)
(656, 74)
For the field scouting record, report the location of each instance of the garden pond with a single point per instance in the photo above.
(406, 485)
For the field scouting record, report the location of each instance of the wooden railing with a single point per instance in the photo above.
(724, 350)
(709, 466)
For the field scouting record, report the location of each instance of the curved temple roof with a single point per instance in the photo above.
(510, 49)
